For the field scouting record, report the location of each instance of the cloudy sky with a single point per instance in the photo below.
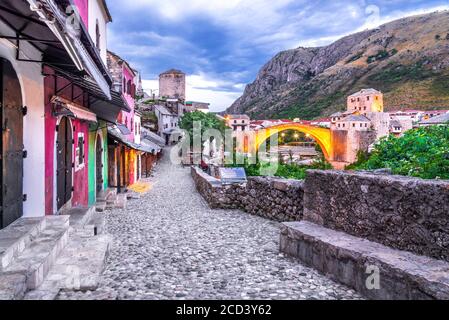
(222, 44)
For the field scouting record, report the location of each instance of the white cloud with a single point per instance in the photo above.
(204, 88)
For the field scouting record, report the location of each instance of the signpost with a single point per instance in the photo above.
(232, 175)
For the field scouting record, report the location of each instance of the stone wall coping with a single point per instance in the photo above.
(332, 251)
(380, 177)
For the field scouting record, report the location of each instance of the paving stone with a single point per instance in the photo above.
(170, 245)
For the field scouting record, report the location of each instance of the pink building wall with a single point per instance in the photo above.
(80, 195)
(128, 116)
(83, 8)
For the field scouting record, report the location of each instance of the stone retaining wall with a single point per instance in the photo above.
(400, 212)
(275, 199)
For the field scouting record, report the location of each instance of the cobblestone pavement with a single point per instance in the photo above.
(170, 245)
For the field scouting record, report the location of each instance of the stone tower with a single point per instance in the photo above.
(172, 84)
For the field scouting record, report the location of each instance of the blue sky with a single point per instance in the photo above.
(222, 44)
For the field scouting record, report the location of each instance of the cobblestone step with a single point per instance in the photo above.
(78, 268)
(40, 254)
(15, 238)
(12, 286)
(79, 217)
(105, 194)
(100, 206)
(351, 261)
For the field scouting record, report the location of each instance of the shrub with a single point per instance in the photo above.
(423, 153)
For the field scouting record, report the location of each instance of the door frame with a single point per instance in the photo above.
(55, 166)
(99, 138)
(13, 65)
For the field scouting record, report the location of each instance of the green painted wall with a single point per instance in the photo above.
(94, 131)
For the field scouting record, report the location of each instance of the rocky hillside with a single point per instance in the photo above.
(408, 60)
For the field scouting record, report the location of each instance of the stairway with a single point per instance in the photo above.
(109, 199)
(41, 256)
(28, 256)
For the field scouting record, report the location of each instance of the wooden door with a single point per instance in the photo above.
(64, 150)
(12, 149)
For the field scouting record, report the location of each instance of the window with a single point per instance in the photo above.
(80, 155)
(97, 36)
(364, 108)
(361, 125)
(124, 85)
(358, 99)
(353, 125)
(367, 98)
(129, 87)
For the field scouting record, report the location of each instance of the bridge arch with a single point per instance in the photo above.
(321, 135)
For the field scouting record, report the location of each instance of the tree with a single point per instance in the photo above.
(207, 121)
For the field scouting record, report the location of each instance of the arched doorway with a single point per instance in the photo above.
(11, 176)
(99, 164)
(64, 162)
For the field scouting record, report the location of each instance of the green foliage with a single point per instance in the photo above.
(440, 86)
(207, 120)
(288, 171)
(355, 57)
(306, 109)
(149, 116)
(382, 55)
(400, 73)
(420, 153)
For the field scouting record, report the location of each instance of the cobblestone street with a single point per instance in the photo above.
(170, 245)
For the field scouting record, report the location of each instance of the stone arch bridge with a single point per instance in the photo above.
(322, 136)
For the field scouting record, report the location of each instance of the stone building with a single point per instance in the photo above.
(172, 84)
(366, 101)
(362, 124)
(238, 122)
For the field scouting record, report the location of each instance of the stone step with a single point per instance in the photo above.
(12, 286)
(122, 201)
(78, 268)
(357, 262)
(105, 194)
(16, 237)
(41, 253)
(79, 217)
(100, 206)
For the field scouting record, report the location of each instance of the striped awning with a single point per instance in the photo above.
(65, 107)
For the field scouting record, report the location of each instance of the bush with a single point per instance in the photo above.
(288, 171)
(420, 153)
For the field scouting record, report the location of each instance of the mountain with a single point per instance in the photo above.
(408, 60)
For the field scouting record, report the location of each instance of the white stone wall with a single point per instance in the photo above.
(97, 13)
(32, 83)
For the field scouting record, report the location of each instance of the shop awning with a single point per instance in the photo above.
(123, 129)
(116, 135)
(42, 23)
(64, 107)
(104, 108)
